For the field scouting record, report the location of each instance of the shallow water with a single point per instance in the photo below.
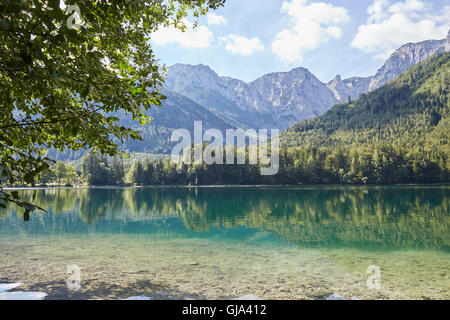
(222, 243)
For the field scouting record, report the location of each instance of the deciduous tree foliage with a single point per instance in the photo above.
(59, 81)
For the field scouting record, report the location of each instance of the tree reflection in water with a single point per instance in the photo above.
(369, 217)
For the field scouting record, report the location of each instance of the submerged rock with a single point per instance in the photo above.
(9, 286)
(335, 296)
(138, 298)
(247, 297)
(18, 295)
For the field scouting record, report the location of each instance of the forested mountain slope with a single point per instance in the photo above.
(412, 110)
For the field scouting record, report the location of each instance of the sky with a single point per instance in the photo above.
(246, 39)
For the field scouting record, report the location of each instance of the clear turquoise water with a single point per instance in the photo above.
(292, 243)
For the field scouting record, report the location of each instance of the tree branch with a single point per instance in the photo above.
(37, 123)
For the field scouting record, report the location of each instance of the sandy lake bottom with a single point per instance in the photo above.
(120, 266)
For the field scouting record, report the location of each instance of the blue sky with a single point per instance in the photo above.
(248, 38)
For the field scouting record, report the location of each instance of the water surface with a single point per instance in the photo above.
(209, 243)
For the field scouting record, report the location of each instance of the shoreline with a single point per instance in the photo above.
(445, 184)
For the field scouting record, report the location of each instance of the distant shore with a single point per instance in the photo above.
(231, 186)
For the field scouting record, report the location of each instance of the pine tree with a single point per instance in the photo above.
(60, 171)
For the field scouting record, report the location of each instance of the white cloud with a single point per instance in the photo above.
(391, 25)
(199, 37)
(407, 6)
(377, 10)
(320, 12)
(335, 32)
(214, 19)
(242, 45)
(314, 24)
(288, 46)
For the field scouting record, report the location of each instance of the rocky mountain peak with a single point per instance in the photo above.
(181, 76)
(282, 98)
(299, 71)
(338, 87)
(294, 95)
(336, 79)
(404, 58)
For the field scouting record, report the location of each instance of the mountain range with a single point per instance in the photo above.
(401, 60)
(275, 100)
(280, 99)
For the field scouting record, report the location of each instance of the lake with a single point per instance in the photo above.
(227, 242)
